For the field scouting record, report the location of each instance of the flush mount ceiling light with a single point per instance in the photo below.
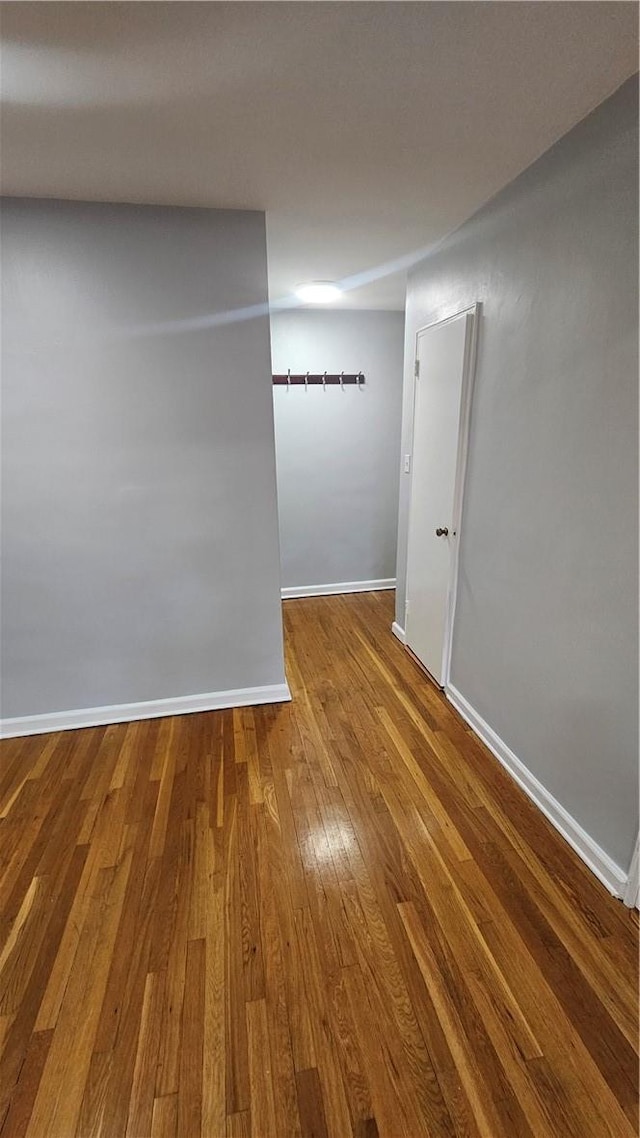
(318, 292)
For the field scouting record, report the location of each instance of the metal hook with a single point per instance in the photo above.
(360, 379)
(306, 382)
(288, 378)
(342, 380)
(324, 382)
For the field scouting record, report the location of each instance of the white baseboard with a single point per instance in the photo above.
(591, 853)
(149, 709)
(339, 587)
(399, 632)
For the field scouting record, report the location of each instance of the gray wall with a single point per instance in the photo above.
(545, 644)
(337, 450)
(139, 539)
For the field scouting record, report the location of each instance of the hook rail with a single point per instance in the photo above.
(308, 379)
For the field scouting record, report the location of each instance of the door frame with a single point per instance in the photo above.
(466, 394)
(631, 895)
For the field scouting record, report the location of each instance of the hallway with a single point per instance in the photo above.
(333, 917)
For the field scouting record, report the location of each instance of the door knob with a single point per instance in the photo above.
(442, 531)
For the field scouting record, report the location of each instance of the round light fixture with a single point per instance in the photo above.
(318, 292)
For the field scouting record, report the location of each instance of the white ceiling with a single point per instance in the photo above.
(365, 130)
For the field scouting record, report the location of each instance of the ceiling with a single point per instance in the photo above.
(366, 131)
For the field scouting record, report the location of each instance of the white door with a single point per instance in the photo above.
(439, 432)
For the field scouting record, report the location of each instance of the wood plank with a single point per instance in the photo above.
(263, 1111)
(191, 1042)
(164, 1122)
(310, 1104)
(141, 1102)
(214, 1054)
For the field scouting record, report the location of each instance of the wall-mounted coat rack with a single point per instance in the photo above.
(317, 379)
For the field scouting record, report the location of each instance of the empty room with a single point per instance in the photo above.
(319, 800)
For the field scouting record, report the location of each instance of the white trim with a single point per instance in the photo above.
(632, 892)
(472, 314)
(339, 587)
(398, 632)
(149, 709)
(591, 853)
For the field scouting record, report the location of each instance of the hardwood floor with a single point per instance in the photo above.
(335, 917)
